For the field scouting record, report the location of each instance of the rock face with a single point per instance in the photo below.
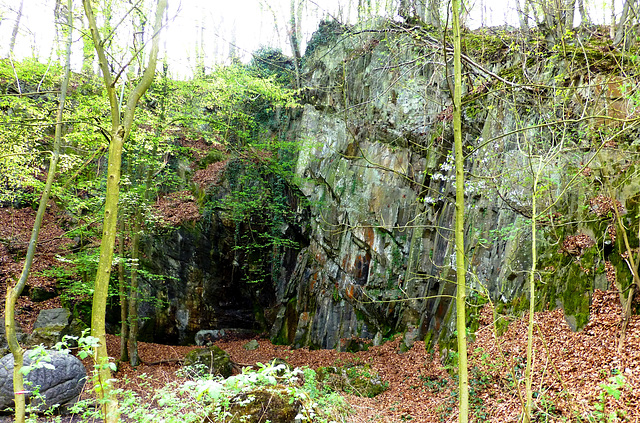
(381, 255)
(375, 252)
(214, 277)
(377, 167)
(206, 337)
(60, 385)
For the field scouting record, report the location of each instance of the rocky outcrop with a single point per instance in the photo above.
(376, 169)
(213, 274)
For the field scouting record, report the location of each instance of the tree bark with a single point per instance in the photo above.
(134, 358)
(584, 16)
(16, 27)
(294, 41)
(570, 12)
(461, 276)
(13, 293)
(532, 302)
(122, 291)
(624, 26)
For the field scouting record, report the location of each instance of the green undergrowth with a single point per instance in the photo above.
(352, 377)
(272, 392)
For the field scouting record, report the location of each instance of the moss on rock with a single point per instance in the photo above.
(215, 360)
(356, 379)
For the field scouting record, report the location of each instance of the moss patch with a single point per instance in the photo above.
(352, 378)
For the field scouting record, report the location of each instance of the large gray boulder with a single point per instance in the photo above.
(207, 337)
(50, 327)
(61, 385)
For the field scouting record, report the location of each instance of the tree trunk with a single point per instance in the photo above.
(570, 11)
(119, 133)
(14, 292)
(522, 16)
(432, 14)
(404, 9)
(134, 358)
(461, 328)
(16, 27)
(623, 29)
(294, 41)
(584, 16)
(633, 265)
(532, 302)
(122, 291)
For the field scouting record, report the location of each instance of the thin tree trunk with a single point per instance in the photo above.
(432, 14)
(612, 25)
(624, 25)
(122, 291)
(134, 358)
(633, 264)
(532, 302)
(570, 14)
(461, 276)
(16, 27)
(13, 293)
(294, 41)
(584, 16)
(119, 133)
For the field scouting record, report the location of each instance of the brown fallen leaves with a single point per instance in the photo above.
(569, 369)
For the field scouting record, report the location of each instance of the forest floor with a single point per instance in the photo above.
(571, 378)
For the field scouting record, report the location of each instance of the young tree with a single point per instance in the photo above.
(295, 35)
(14, 292)
(463, 377)
(16, 27)
(625, 29)
(120, 129)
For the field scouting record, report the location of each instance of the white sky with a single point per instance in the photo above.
(251, 23)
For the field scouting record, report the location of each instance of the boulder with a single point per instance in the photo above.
(213, 359)
(356, 379)
(60, 385)
(265, 404)
(206, 337)
(251, 345)
(50, 327)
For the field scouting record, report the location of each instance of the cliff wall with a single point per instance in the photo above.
(375, 251)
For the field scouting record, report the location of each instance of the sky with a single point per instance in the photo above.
(247, 24)
(216, 25)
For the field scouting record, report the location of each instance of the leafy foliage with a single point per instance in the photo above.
(225, 105)
(262, 202)
(206, 398)
(28, 103)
